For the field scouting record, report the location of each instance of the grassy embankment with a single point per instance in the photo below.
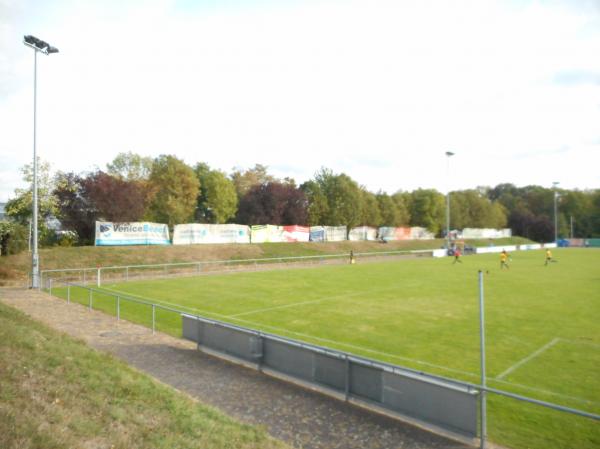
(14, 269)
(55, 392)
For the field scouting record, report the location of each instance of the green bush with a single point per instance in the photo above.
(13, 237)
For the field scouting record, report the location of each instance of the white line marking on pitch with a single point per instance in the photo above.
(284, 306)
(528, 358)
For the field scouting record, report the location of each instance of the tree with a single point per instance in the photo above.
(317, 208)
(273, 203)
(174, 188)
(114, 199)
(427, 209)
(20, 208)
(389, 211)
(245, 180)
(217, 201)
(402, 200)
(75, 211)
(342, 197)
(370, 209)
(130, 166)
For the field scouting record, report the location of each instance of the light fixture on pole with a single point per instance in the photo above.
(554, 185)
(38, 45)
(449, 154)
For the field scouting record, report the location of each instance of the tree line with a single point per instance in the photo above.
(167, 190)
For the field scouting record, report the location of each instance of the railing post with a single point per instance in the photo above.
(126, 274)
(198, 269)
(153, 318)
(98, 281)
(482, 349)
(68, 293)
(84, 276)
(347, 386)
(118, 308)
(50, 289)
(90, 298)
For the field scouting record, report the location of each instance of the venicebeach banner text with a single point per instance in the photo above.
(143, 233)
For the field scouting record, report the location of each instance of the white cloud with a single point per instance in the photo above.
(379, 89)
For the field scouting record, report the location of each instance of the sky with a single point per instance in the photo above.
(377, 89)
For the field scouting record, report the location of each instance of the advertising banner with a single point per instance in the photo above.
(118, 234)
(266, 233)
(296, 233)
(362, 233)
(391, 233)
(485, 233)
(335, 233)
(195, 233)
(417, 233)
(317, 233)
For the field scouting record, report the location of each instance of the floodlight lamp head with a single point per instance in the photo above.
(449, 153)
(39, 45)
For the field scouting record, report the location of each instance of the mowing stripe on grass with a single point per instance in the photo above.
(528, 358)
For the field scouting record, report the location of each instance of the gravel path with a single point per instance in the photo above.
(301, 417)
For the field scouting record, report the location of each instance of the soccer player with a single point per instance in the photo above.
(352, 259)
(457, 255)
(549, 257)
(504, 260)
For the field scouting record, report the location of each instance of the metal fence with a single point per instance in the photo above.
(96, 275)
(436, 402)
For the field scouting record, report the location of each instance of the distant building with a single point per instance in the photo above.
(2, 211)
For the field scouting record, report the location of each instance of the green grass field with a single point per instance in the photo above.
(542, 325)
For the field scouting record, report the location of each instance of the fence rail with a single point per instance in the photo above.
(432, 400)
(95, 275)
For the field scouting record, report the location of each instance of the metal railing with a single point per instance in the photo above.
(91, 297)
(95, 275)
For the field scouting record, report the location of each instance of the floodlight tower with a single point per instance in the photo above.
(449, 154)
(40, 46)
(554, 185)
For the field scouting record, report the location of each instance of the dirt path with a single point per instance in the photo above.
(301, 417)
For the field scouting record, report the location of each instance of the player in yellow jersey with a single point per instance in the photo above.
(504, 260)
(549, 257)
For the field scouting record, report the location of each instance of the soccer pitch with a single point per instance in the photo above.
(542, 325)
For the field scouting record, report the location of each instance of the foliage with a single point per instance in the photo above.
(273, 203)
(427, 209)
(115, 199)
(371, 215)
(218, 200)
(75, 210)
(175, 190)
(130, 166)
(245, 180)
(20, 208)
(13, 237)
(341, 199)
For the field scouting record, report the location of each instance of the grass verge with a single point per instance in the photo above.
(55, 392)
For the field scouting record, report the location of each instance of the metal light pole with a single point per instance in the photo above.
(483, 403)
(449, 154)
(554, 184)
(38, 45)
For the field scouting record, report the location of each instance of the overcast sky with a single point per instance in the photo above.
(379, 90)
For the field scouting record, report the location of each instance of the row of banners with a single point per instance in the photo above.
(113, 234)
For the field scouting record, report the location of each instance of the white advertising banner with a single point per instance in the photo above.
(266, 233)
(195, 233)
(317, 233)
(362, 233)
(417, 233)
(139, 233)
(485, 233)
(335, 233)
